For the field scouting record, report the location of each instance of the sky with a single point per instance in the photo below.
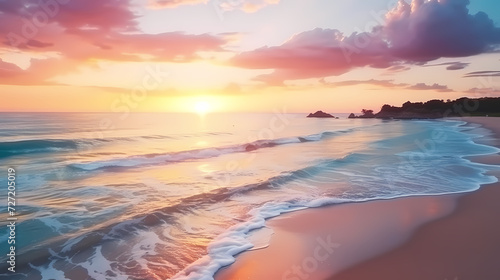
(244, 55)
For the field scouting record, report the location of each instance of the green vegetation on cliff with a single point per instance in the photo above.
(434, 109)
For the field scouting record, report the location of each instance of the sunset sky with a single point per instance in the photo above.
(244, 55)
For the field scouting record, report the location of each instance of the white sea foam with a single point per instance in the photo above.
(198, 154)
(98, 267)
(48, 272)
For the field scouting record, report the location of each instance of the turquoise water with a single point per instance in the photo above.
(158, 196)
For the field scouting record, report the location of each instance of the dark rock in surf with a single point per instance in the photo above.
(320, 114)
(250, 148)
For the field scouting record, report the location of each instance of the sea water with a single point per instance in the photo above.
(177, 196)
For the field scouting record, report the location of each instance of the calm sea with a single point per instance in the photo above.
(158, 196)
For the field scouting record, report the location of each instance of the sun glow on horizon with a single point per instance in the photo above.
(202, 107)
(196, 104)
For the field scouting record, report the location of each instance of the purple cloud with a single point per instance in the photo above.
(451, 65)
(412, 35)
(483, 74)
(427, 30)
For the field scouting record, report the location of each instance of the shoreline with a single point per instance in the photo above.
(419, 237)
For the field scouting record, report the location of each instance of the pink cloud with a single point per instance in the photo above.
(40, 71)
(82, 31)
(315, 53)
(8, 69)
(169, 46)
(413, 34)
(78, 48)
(95, 29)
(72, 14)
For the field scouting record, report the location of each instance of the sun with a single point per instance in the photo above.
(202, 107)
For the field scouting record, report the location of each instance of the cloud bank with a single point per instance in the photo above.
(387, 84)
(483, 74)
(413, 33)
(315, 53)
(437, 87)
(82, 32)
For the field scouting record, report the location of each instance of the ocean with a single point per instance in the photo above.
(177, 196)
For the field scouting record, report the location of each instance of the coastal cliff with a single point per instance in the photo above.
(435, 109)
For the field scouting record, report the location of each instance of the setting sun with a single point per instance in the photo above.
(202, 107)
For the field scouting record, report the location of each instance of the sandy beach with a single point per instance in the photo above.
(448, 237)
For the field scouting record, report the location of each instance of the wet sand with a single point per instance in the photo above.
(449, 237)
